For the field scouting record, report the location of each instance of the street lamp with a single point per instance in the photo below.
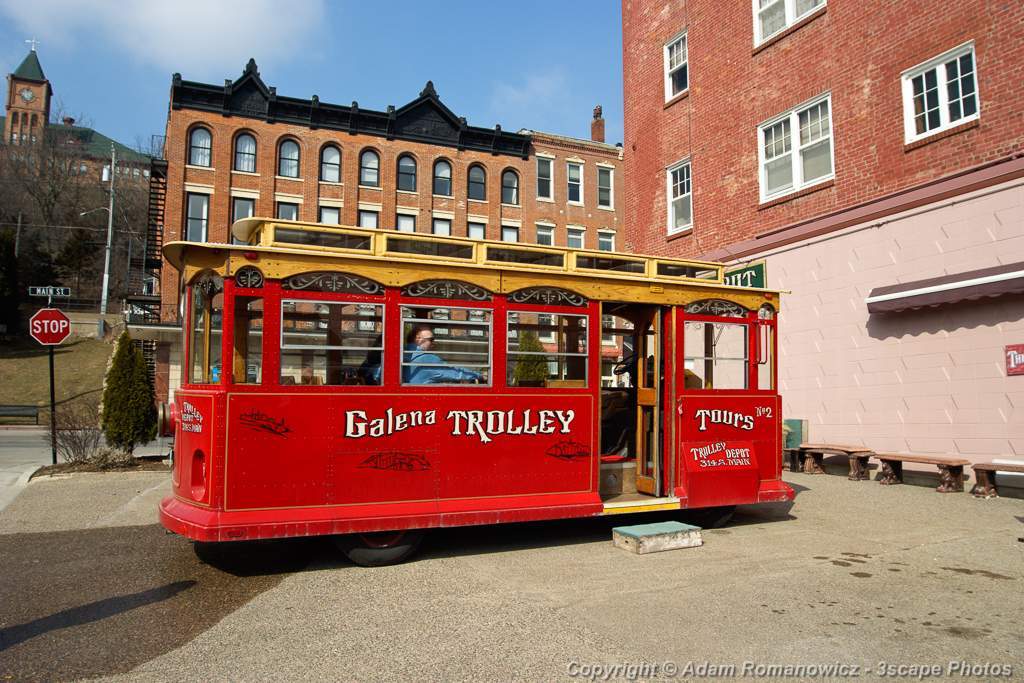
(110, 235)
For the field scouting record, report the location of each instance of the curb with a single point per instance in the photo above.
(25, 476)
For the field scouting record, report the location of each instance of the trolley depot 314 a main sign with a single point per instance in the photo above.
(372, 385)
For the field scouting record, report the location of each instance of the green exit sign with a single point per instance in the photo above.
(750, 275)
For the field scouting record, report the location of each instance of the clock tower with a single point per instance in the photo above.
(28, 102)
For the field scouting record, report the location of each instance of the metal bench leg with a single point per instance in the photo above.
(858, 468)
(892, 472)
(985, 486)
(951, 479)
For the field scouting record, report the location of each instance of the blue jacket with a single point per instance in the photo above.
(423, 367)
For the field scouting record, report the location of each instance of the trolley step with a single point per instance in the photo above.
(655, 538)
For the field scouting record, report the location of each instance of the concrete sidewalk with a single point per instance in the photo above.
(23, 450)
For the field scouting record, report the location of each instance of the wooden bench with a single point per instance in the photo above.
(951, 470)
(20, 411)
(810, 456)
(985, 474)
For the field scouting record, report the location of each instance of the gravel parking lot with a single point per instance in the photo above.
(854, 574)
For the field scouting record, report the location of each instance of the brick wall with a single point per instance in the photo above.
(220, 180)
(856, 52)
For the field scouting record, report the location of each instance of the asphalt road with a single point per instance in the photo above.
(852, 573)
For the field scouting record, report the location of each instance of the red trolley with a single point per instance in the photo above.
(376, 384)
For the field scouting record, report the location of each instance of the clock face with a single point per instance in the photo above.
(27, 94)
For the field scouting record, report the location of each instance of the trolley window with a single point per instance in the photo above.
(248, 341)
(716, 355)
(765, 348)
(205, 321)
(331, 342)
(446, 345)
(546, 350)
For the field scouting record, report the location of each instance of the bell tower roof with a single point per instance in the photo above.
(30, 69)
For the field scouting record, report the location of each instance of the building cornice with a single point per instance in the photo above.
(425, 119)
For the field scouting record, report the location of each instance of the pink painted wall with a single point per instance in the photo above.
(929, 380)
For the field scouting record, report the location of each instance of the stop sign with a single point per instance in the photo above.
(49, 326)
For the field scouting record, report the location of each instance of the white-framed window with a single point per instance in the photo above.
(677, 68)
(510, 187)
(606, 240)
(605, 187)
(245, 153)
(330, 164)
(545, 188)
(574, 238)
(369, 168)
(406, 173)
(546, 235)
(197, 220)
(241, 207)
(200, 146)
(476, 231)
(774, 16)
(509, 233)
(941, 93)
(368, 219)
(330, 215)
(288, 159)
(442, 178)
(443, 226)
(574, 179)
(287, 211)
(405, 222)
(795, 149)
(679, 191)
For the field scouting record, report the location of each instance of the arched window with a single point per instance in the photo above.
(442, 178)
(509, 187)
(288, 159)
(369, 169)
(330, 164)
(245, 153)
(477, 188)
(199, 145)
(406, 173)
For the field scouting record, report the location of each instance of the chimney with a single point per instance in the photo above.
(68, 121)
(597, 126)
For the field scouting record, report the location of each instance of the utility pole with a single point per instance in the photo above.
(110, 235)
(17, 236)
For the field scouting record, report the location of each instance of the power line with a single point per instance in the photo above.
(61, 227)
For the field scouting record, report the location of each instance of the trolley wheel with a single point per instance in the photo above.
(710, 518)
(380, 548)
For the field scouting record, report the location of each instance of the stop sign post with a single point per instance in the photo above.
(50, 327)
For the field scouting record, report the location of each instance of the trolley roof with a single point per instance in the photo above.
(274, 240)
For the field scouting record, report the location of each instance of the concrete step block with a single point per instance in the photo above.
(654, 538)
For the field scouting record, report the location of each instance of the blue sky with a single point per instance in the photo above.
(527, 64)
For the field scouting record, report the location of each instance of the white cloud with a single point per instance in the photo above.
(202, 39)
(534, 102)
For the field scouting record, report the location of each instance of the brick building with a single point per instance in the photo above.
(872, 154)
(239, 149)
